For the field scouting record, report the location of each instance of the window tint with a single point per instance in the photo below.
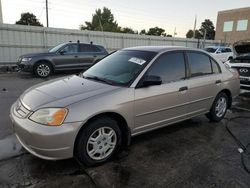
(170, 67)
(199, 64)
(88, 48)
(215, 66)
(71, 48)
(228, 50)
(210, 50)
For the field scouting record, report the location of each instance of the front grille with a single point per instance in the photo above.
(245, 82)
(243, 71)
(21, 111)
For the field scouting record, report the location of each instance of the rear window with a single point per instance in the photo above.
(210, 50)
(89, 48)
(199, 64)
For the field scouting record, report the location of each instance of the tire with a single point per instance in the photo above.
(219, 108)
(92, 147)
(43, 69)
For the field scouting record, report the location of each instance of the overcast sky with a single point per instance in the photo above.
(137, 14)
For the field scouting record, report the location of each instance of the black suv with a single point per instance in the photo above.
(65, 56)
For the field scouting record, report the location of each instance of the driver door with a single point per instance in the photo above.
(67, 58)
(160, 105)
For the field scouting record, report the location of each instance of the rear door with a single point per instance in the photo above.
(204, 81)
(88, 54)
(159, 105)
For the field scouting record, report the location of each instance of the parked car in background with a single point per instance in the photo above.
(242, 62)
(221, 53)
(132, 91)
(65, 56)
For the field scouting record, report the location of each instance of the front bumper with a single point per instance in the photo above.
(25, 66)
(51, 143)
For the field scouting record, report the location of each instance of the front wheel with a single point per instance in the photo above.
(98, 141)
(43, 69)
(219, 108)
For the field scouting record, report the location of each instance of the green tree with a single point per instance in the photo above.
(190, 34)
(207, 27)
(102, 20)
(143, 32)
(128, 30)
(157, 31)
(28, 19)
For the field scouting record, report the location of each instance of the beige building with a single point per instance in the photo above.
(233, 25)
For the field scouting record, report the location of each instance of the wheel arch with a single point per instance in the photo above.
(44, 60)
(122, 123)
(229, 95)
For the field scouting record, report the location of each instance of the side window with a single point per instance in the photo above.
(199, 64)
(170, 67)
(71, 48)
(228, 50)
(215, 66)
(223, 50)
(88, 48)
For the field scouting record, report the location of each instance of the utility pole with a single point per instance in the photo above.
(47, 13)
(195, 20)
(1, 13)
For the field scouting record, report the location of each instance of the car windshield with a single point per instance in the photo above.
(54, 49)
(210, 50)
(120, 68)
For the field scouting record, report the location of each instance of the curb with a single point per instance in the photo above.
(8, 68)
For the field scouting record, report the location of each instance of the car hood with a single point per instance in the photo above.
(63, 92)
(242, 47)
(36, 54)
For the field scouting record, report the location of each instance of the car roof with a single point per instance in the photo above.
(83, 43)
(217, 47)
(159, 49)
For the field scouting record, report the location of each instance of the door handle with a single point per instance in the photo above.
(217, 81)
(76, 56)
(183, 88)
(95, 56)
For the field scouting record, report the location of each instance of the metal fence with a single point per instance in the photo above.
(16, 40)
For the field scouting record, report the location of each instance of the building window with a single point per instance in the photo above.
(228, 26)
(242, 25)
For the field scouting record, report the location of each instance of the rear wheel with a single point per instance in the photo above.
(219, 108)
(43, 69)
(98, 142)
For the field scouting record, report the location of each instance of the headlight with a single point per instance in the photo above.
(49, 116)
(26, 59)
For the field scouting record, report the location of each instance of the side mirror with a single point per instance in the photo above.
(151, 80)
(62, 52)
(218, 52)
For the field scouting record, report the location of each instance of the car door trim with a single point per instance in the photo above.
(175, 106)
(169, 119)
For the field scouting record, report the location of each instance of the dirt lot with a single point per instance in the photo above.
(193, 153)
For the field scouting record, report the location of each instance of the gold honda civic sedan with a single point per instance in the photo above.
(132, 91)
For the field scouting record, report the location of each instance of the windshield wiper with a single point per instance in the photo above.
(100, 79)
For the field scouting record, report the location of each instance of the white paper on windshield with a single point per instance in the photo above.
(137, 60)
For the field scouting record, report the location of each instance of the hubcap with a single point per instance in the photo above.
(43, 70)
(221, 107)
(101, 143)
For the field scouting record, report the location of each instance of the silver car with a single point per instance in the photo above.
(132, 91)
